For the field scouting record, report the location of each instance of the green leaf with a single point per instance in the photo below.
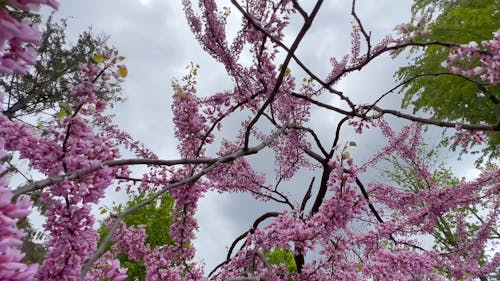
(156, 220)
(284, 256)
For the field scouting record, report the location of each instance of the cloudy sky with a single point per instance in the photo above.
(158, 45)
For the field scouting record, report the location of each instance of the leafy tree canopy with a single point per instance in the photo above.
(440, 93)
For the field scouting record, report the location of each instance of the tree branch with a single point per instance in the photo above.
(493, 128)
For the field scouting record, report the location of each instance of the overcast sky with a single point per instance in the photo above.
(156, 41)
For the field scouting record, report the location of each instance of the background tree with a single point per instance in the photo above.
(46, 90)
(447, 230)
(431, 88)
(282, 257)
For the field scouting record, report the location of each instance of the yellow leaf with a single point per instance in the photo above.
(40, 125)
(121, 58)
(182, 95)
(123, 72)
(346, 155)
(61, 114)
(98, 58)
(359, 268)
(103, 211)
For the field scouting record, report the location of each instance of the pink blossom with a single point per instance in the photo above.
(11, 267)
(15, 53)
(461, 59)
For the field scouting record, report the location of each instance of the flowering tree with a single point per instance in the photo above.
(80, 156)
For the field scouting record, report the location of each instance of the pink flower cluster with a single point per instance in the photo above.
(410, 31)
(11, 266)
(463, 59)
(18, 38)
(362, 122)
(467, 138)
(67, 144)
(69, 217)
(72, 241)
(107, 268)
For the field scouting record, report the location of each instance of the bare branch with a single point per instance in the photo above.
(478, 84)
(486, 127)
(242, 236)
(337, 136)
(307, 196)
(324, 105)
(299, 9)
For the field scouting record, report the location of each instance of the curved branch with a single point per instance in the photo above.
(478, 84)
(492, 128)
(324, 105)
(362, 29)
(337, 137)
(242, 236)
(313, 134)
(38, 185)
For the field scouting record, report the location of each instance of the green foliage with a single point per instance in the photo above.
(34, 252)
(156, 220)
(280, 256)
(48, 88)
(438, 92)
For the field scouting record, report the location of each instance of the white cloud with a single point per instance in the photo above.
(145, 2)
